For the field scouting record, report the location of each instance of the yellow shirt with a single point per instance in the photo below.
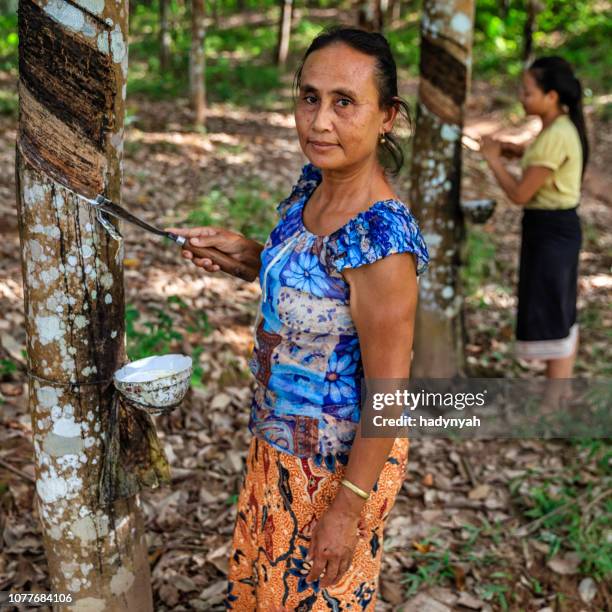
(557, 147)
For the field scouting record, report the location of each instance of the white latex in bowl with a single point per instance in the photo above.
(156, 383)
(478, 211)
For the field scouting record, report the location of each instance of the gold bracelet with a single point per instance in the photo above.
(355, 488)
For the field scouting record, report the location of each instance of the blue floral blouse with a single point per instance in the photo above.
(306, 358)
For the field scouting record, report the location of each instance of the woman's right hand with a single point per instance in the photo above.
(231, 243)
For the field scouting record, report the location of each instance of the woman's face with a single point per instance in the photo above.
(337, 113)
(533, 99)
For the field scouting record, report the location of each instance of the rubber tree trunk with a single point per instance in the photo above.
(284, 32)
(370, 15)
(533, 8)
(72, 74)
(197, 62)
(395, 12)
(164, 36)
(215, 12)
(446, 43)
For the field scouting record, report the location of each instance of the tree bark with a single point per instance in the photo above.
(446, 46)
(395, 12)
(284, 32)
(197, 62)
(370, 15)
(72, 74)
(164, 36)
(215, 12)
(533, 8)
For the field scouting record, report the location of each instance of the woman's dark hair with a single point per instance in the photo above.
(375, 45)
(555, 74)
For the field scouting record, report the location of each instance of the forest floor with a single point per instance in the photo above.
(451, 542)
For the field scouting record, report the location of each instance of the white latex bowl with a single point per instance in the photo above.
(478, 211)
(155, 384)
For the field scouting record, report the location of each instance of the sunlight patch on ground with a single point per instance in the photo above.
(164, 283)
(276, 119)
(192, 139)
(595, 282)
(11, 290)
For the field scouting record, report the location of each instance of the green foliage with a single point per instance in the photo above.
(433, 567)
(489, 591)
(9, 104)
(590, 318)
(478, 261)
(8, 43)
(579, 31)
(436, 563)
(158, 333)
(152, 337)
(560, 505)
(405, 44)
(243, 84)
(7, 367)
(239, 61)
(303, 33)
(249, 209)
(598, 450)
(241, 42)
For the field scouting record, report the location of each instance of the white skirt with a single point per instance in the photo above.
(548, 349)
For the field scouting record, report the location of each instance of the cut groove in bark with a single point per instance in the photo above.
(57, 150)
(443, 70)
(70, 79)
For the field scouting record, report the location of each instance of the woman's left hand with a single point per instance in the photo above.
(332, 545)
(490, 148)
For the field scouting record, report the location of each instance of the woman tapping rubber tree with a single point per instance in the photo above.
(549, 192)
(338, 276)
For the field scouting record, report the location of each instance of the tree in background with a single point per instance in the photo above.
(197, 62)
(370, 14)
(214, 10)
(446, 47)
(284, 31)
(164, 36)
(394, 12)
(533, 8)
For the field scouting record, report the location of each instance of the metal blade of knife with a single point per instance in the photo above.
(109, 207)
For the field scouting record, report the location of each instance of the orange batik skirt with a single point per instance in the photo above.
(281, 499)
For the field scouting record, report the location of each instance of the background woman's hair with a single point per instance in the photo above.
(555, 73)
(375, 45)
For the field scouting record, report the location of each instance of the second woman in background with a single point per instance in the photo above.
(549, 192)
